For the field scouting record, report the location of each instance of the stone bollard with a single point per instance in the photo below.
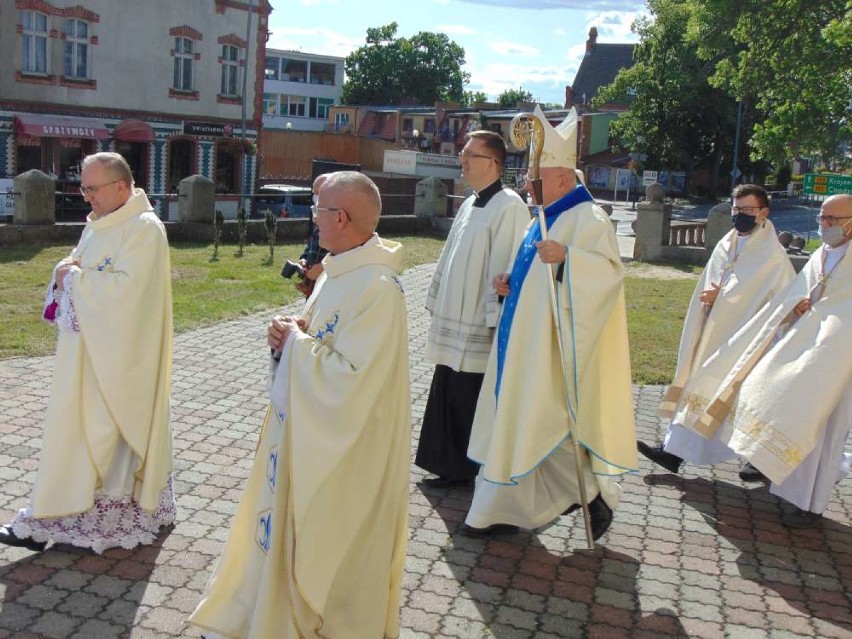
(36, 199)
(196, 199)
(653, 218)
(718, 224)
(430, 198)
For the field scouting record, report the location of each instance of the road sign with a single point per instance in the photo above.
(648, 177)
(825, 184)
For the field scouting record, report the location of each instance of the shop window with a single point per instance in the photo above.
(270, 68)
(294, 70)
(230, 70)
(184, 57)
(181, 162)
(229, 159)
(76, 49)
(28, 155)
(322, 73)
(71, 153)
(136, 154)
(319, 107)
(270, 103)
(34, 41)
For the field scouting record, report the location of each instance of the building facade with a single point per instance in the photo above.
(299, 89)
(175, 87)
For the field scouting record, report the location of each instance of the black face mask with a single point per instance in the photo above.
(744, 223)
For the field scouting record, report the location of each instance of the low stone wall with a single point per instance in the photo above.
(288, 230)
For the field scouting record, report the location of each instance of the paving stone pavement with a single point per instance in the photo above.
(694, 555)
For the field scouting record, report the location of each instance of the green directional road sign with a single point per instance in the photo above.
(825, 184)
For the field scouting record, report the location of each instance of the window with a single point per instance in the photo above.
(429, 125)
(270, 68)
(230, 70)
(181, 162)
(407, 125)
(183, 64)
(34, 54)
(322, 73)
(319, 107)
(270, 103)
(294, 70)
(341, 119)
(228, 163)
(76, 49)
(292, 105)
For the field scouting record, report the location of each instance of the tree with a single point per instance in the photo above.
(792, 61)
(676, 118)
(388, 69)
(510, 97)
(472, 97)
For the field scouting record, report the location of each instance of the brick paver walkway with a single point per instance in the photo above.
(696, 555)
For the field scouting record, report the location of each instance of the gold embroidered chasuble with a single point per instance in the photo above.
(317, 546)
(112, 379)
(749, 280)
(773, 386)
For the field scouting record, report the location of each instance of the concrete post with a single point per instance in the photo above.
(196, 199)
(653, 218)
(36, 199)
(718, 224)
(430, 198)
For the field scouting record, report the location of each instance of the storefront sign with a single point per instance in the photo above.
(211, 129)
(7, 200)
(404, 162)
(439, 160)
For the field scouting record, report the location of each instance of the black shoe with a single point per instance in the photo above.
(660, 457)
(750, 473)
(799, 518)
(445, 482)
(601, 515)
(493, 529)
(11, 539)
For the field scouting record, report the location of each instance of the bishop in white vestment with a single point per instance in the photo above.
(533, 395)
(317, 545)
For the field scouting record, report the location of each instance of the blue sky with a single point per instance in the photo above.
(507, 43)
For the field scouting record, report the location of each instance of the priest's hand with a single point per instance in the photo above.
(65, 266)
(280, 329)
(802, 307)
(708, 296)
(501, 284)
(551, 251)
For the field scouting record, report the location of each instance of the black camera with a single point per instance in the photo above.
(292, 268)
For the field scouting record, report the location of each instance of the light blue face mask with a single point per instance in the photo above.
(832, 236)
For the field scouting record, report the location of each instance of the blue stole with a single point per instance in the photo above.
(523, 260)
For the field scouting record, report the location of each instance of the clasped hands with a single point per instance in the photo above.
(549, 252)
(281, 327)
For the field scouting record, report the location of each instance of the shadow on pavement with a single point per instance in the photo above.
(530, 583)
(811, 569)
(67, 589)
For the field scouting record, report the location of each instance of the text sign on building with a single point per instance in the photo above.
(649, 178)
(404, 162)
(823, 184)
(7, 200)
(212, 129)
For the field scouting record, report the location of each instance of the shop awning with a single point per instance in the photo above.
(60, 126)
(134, 131)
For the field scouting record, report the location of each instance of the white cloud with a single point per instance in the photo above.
(585, 5)
(313, 40)
(313, 3)
(513, 48)
(543, 82)
(614, 26)
(455, 29)
(560, 31)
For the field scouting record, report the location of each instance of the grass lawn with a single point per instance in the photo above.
(207, 292)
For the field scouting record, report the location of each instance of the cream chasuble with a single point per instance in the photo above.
(749, 279)
(112, 378)
(520, 425)
(461, 299)
(774, 385)
(317, 546)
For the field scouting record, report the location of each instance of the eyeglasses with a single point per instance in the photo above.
(467, 154)
(831, 220)
(748, 210)
(316, 209)
(91, 190)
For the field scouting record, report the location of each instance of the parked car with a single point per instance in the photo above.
(285, 200)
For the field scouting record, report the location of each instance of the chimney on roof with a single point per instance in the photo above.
(569, 96)
(593, 39)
